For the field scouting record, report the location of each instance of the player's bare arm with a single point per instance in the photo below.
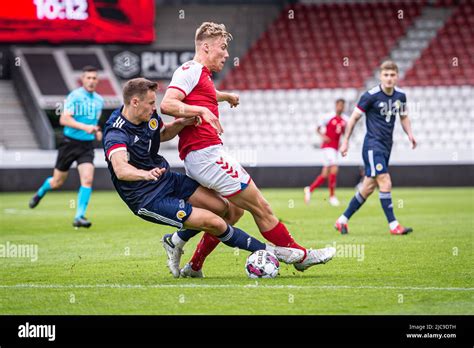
(68, 120)
(127, 172)
(406, 125)
(231, 98)
(98, 135)
(322, 135)
(356, 114)
(173, 128)
(172, 105)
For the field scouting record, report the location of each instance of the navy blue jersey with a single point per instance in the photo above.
(142, 143)
(381, 111)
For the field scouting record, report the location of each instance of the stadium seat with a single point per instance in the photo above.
(437, 59)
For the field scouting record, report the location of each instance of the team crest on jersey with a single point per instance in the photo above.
(153, 124)
(180, 214)
(187, 65)
(379, 166)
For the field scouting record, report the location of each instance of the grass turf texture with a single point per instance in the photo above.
(118, 265)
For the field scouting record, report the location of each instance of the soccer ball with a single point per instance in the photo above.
(262, 264)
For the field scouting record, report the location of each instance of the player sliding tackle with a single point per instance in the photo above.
(152, 191)
(381, 105)
(192, 93)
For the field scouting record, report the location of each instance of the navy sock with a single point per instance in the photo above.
(354, 205)
(235, 237)
(386, 200)
(186, 234)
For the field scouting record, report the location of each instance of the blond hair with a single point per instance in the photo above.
(209, 30)
(138, 87)
(389, 65)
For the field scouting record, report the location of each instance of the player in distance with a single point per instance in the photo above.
(192, 93)
(80, 118)
(330, 129)
(145, 182)
(382, 105)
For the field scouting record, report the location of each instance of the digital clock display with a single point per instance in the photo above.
(68, 21)
(65, 9)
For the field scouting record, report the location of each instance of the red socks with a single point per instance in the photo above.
(317, 182)
(205, 246)
(280, 236)
(332, 184)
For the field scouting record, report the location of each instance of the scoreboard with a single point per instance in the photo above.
(93, 21)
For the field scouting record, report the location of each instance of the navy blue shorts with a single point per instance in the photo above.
(171, 207)
(375, 162)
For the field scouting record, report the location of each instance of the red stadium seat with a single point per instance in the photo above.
(309, 52)
(454, 40)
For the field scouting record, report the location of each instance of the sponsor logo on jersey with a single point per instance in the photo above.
(136, 139)
(180, 214)
(379, 166)
(153, 124)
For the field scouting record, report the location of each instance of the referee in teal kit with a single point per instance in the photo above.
(80, 118)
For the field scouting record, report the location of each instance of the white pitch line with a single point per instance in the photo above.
(223, 286)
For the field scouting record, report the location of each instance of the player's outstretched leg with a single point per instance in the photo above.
(232, 236)
(356, 202)
(320, 179)
(252, 200)
(86, 173)
(41, 192)
(83, 197)
(212, 201)
(270, 227)
(332, 186)
(385, 195)
(51, 183)
(206, 245)
(316, 257)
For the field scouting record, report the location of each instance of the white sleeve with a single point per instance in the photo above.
(186, 77)
(324, 121)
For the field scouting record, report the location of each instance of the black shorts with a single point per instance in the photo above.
(71, 150)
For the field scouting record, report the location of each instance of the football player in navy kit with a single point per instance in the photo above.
(144, 181)
(382, 105)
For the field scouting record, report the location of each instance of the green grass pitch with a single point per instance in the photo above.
(118, 266)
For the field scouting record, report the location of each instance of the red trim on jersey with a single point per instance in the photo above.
(334, 130)
(179, 89)
(195, 138)
(358, 107)
(233, 194)
(114, 147)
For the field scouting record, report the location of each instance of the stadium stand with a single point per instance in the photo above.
(256, 17)
(322, 46)
(289, 73)
(417, 38)
(282, 98)
(16, 131)
(449, 59)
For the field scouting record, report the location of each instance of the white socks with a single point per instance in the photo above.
(342, 219)
(177, 241)
(393, 224)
